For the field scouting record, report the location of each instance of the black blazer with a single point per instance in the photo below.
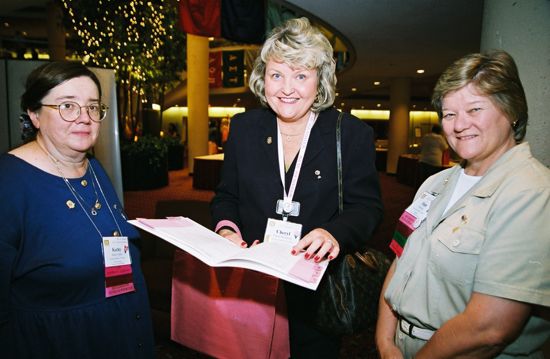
(250, 185)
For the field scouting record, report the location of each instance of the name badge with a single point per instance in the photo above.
(118, 266)
(282, 232)
(410, 220)
(418, 210)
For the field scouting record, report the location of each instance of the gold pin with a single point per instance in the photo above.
(116, 234)
(269, 140)
(84, 183)
(456, 229)
(70, 204)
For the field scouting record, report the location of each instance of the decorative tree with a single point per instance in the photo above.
(140, 40)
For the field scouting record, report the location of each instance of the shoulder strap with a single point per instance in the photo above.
(339, 162)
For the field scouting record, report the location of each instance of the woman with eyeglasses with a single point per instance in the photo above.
(70, 279)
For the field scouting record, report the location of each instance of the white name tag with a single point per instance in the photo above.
(282, 232)
(419, 209)
(116, 251)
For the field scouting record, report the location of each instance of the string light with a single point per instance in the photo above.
(137, 29)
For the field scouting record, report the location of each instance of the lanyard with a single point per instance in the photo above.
(288, 197)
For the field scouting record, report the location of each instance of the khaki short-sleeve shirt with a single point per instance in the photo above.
(495, 240)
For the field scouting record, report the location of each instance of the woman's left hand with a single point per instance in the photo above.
(317, 244)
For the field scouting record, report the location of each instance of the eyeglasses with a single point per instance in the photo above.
(69, 111)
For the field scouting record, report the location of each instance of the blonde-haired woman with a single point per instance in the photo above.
(280, 163)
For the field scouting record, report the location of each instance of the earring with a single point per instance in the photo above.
(515, 124)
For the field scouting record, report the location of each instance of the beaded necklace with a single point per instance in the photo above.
(80, 199)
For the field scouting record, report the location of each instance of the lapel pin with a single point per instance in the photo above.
(70, 204)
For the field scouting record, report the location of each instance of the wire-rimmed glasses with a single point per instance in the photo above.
(69, 110)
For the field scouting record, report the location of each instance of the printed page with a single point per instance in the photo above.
(193, 238)
(275, 259)
(270, 258)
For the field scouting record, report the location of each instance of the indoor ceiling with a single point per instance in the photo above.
(388, 39)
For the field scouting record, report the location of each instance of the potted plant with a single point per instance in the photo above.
(144, 163)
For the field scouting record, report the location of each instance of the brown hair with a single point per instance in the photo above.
(495, 75)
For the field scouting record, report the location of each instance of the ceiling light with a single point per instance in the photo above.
(353, 89)
(378, 105)
(376, 83)
(420, 71)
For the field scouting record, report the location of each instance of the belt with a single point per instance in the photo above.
(413, 331)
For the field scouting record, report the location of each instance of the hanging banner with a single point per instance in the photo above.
(236, 20)
(233, 68)
(215, 69)
(199, 17)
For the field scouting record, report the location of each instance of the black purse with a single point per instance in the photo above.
(349, 292)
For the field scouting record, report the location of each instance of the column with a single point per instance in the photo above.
(522, 28)
(398, 131)
(197, 97)
(56, 32)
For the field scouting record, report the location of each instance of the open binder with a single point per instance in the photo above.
(268, 257)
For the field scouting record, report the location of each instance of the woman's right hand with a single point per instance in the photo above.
(233, 237)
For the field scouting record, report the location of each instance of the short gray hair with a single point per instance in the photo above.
(298, 44)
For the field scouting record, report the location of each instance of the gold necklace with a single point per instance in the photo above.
(289, 136)
(97, 205)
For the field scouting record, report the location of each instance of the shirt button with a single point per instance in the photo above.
(394, 307)
(138, 316)
(400, 336)
(456, 242)
(140, 345)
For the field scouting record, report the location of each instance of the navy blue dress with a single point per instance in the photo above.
(52, 282)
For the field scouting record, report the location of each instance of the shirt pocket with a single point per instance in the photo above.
(455, 253)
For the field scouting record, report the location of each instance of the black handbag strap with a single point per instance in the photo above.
(339, 163)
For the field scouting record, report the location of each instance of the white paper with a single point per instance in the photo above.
(271, 258)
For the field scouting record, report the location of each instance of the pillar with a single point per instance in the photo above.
(197, 97)
(56, 32)
(398, 131)
(522, 28)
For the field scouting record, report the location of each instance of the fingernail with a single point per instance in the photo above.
(293, 252)
(306, 256)
(243, 244)
(317, 258)
(330, 258)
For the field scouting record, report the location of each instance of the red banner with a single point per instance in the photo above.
(215, 69)
(201, 17)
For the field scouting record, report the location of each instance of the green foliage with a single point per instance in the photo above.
(171, 141)
(139, 39)
(150, 148)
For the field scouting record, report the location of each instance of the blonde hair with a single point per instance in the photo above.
(298, 44)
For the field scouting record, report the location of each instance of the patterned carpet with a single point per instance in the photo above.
(142, 204)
